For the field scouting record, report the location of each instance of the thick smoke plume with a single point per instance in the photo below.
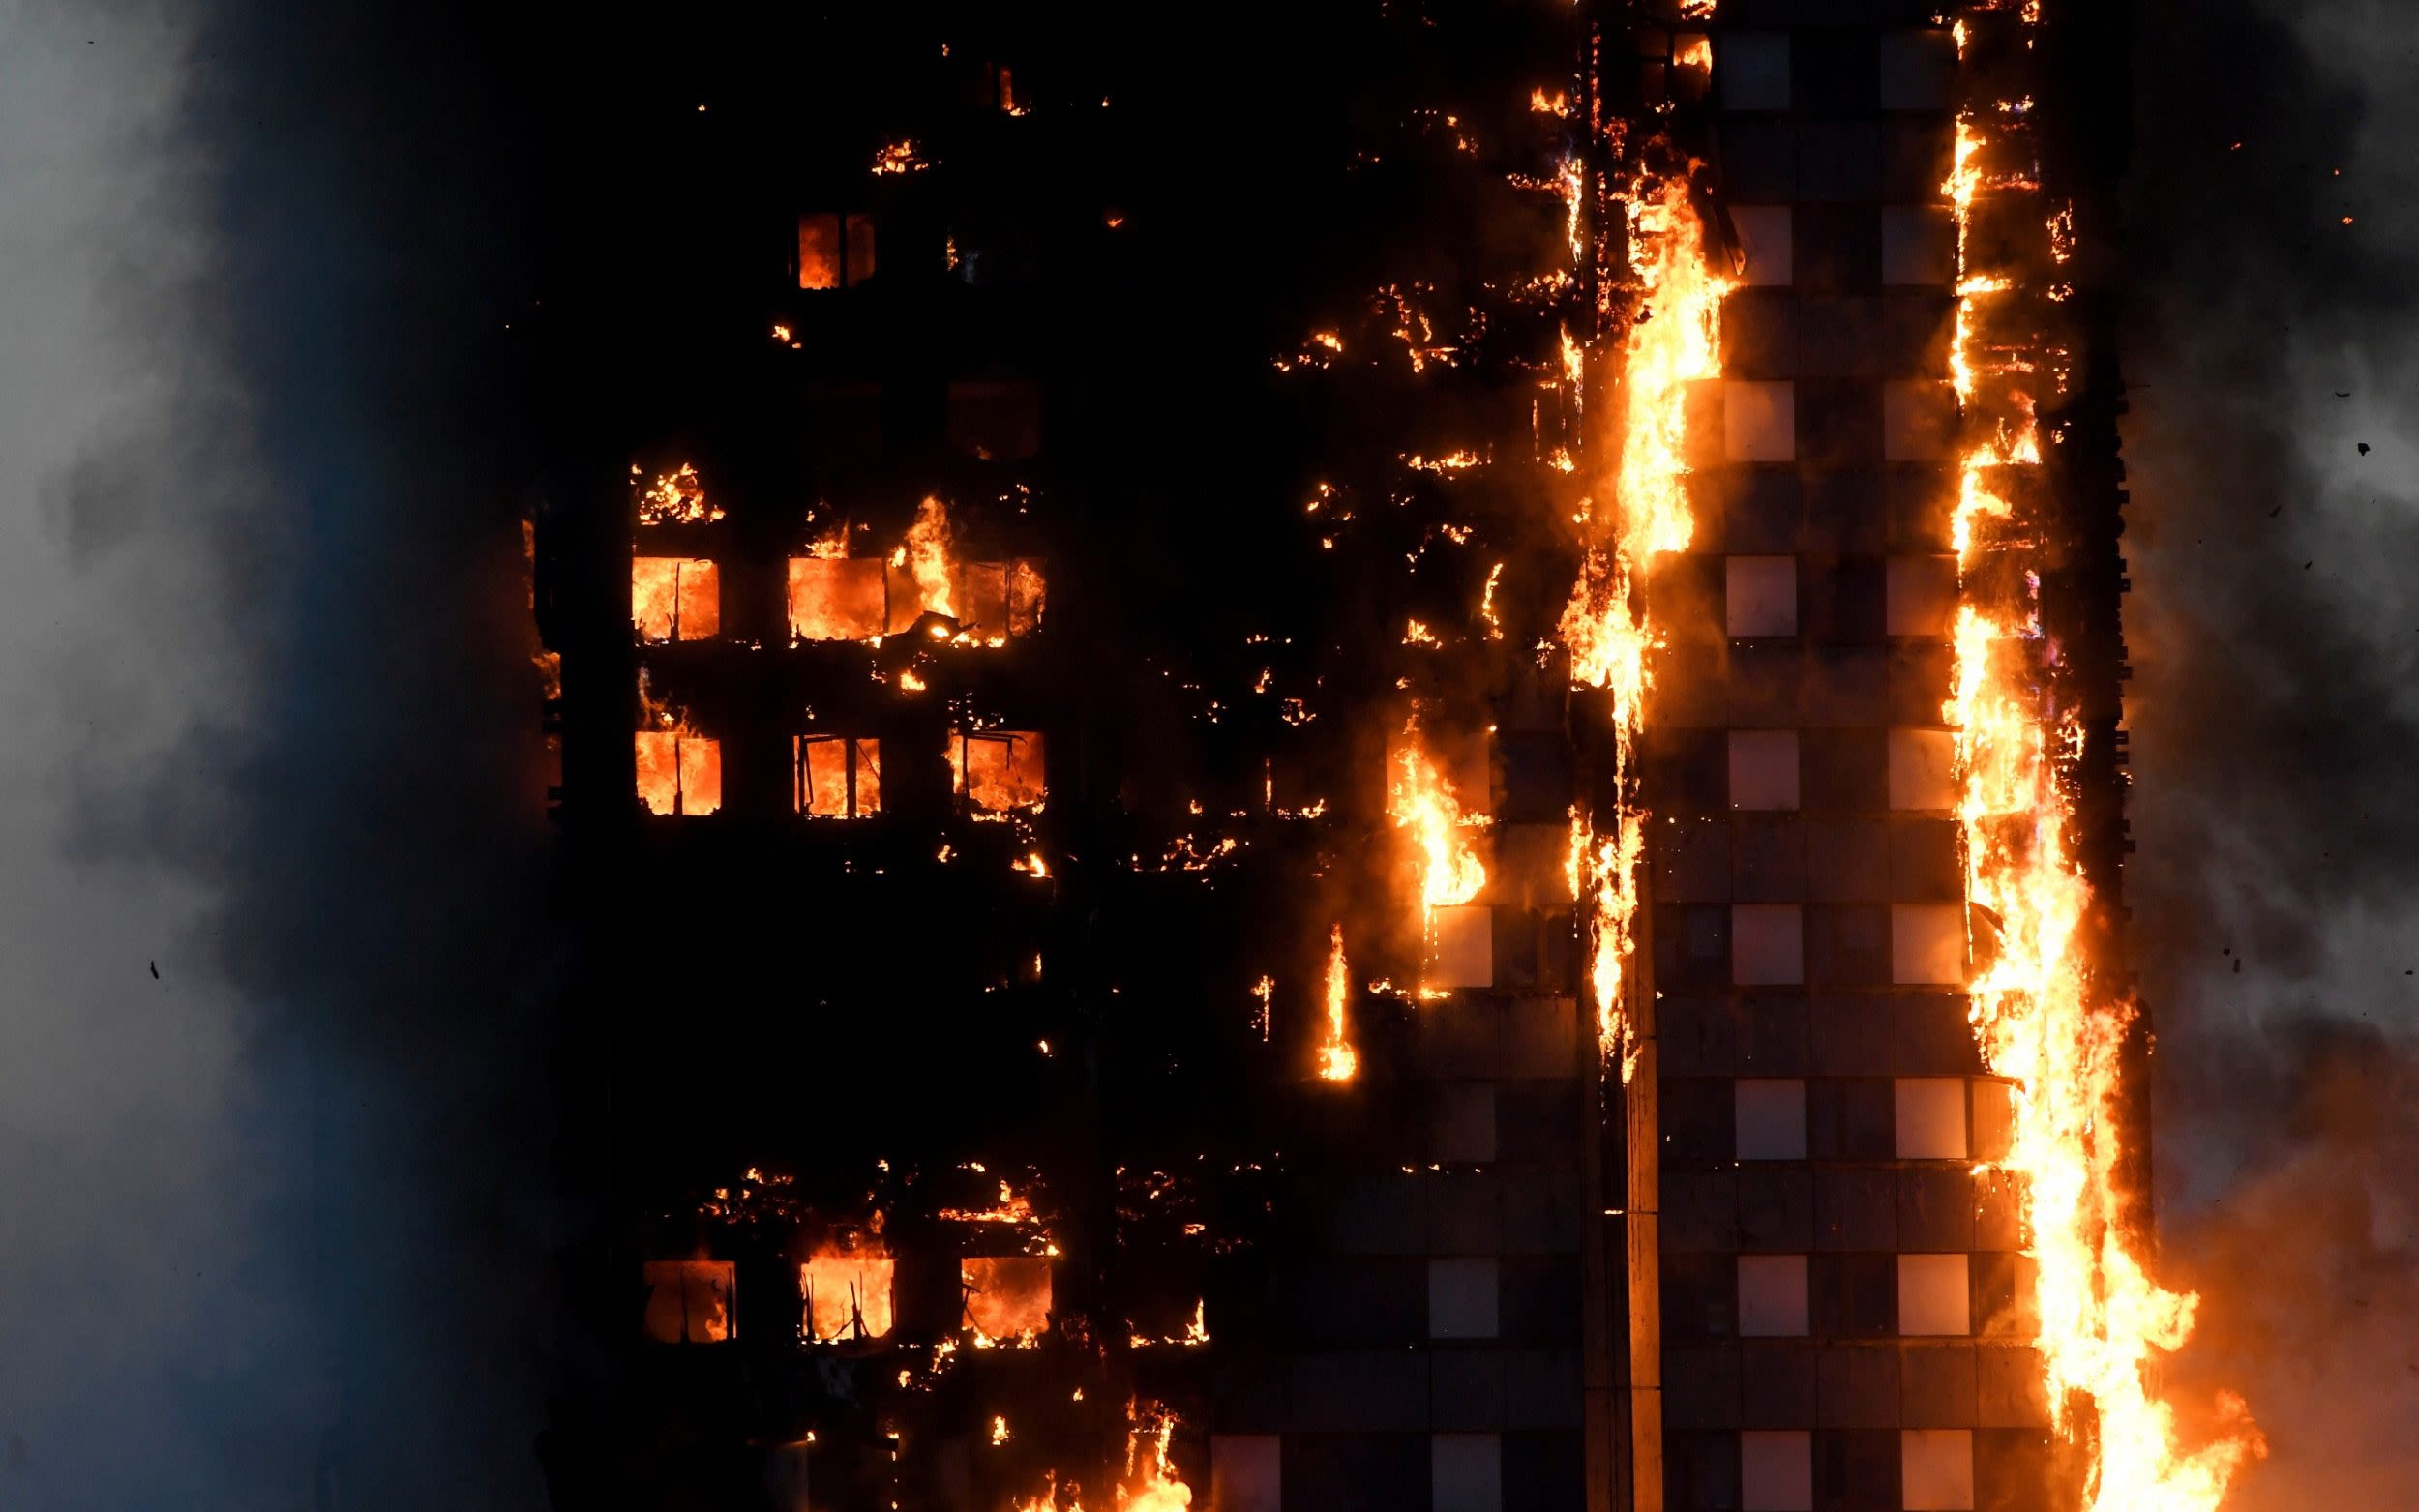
(2275, 633)
(275, 938)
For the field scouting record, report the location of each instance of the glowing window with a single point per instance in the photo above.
(675, 598)
(1926, 943)
(834, 250)
(998, 770)
(690, 1301)
(1923, 769)
(1932, 1296)
(1920, 595)
(846, 1295)
(1759, 421)
(1772, 1297)
(836, 598)
(1936, 1469)
(1026, 599)
(1460, 947)
(990, 601)
(836, 778)
(1932, 1118)
(679, 773)
(1777, 1472)
(997, 600)
(1995, 1120)
(1007, 1297)
(983, 601)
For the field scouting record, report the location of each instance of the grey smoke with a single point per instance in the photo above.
(2276, 713)
(268, 724)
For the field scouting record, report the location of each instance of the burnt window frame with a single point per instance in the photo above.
(801, 789)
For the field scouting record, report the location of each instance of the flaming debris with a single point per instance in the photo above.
(675, 499)
(2043, 1015)
(899, 157)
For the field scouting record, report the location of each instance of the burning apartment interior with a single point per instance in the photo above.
(1379, 776)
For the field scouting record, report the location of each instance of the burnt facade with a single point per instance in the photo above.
(1842, 1296)
(1057, 564)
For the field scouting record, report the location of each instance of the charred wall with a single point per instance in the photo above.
(1260, 344)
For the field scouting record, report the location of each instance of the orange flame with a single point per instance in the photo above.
(847, 1293)
(1424, 803)
(1674, 344)
(1007, 1298)
(2037, 1014)
(1151, 1483)
(1337, 1060)
(676, 498)
(679, 771)
(925, 555)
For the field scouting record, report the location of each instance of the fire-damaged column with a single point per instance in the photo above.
(1657, 261)
(2038, 664)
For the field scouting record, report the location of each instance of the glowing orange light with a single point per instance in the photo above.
(846, 1293)
(1673, 344)
(1337, 1060)
(2039, 1014)
(675, 499)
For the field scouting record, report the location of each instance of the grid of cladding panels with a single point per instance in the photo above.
(1843, 1301)
(1434, 1318)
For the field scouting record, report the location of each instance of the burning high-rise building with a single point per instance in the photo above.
(1371, 770)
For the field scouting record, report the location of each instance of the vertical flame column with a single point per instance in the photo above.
(2034, 710)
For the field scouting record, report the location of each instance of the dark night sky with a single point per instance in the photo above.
(272, 1219)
